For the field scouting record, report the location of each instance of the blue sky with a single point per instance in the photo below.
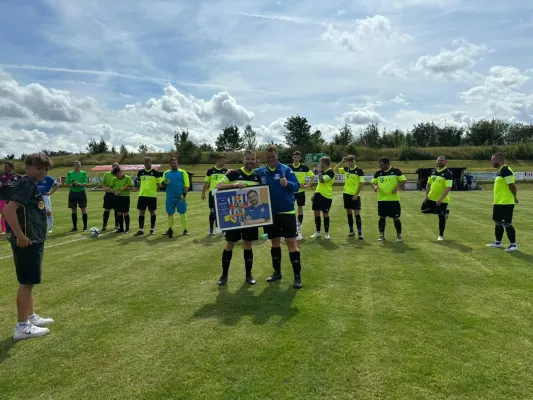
(135, 71)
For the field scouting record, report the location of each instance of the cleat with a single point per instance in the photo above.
(511, 247)
(104, 228)
(326, 236)
(29, 331)
(170, 233)
(250, 280)
(139, 233)
(165, 233)
(41, 322)
(297, 282)
(119, 231)
(152, 231)
(381, 238)
(50, 230)
(127, 231)
(352, 233)
(495, 245)
(212, 232)
(399, 239)
(361, 236)
(299, 237)
(186, 232)
(440, 238)
(74, 230)
(222, 280)
(316, 235)
(85, 229)
(275, 277)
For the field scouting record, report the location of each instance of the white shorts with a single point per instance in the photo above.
(47, 204)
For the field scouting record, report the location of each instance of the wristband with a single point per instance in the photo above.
(184, 194)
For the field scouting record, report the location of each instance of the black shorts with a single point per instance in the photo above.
(122, 204)
(299, 198)
(350, 203)
(284, 226)
(431, 207)
(248, 234)
(147, 202)
(321, 203)
(77, 199)
(109, 201)
(211, 202)
(503, 213)
(391, 209)
(28, 263)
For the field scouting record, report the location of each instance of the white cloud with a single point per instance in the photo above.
(400, 99)
(376, 30)
(454, 64)
(393, 70)
(362, 117)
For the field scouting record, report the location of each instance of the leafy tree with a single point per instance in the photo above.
(143, 149)
(230, 139)
(370, 136)
(113, 150)
(250, 138)
(123, 150)
(316, 142)
(52, 153)
(299, 133)
(485, 132)
(10, 157)
(344, 137)
(519, 133)
(426, 134)
(23, 156)
(451, 136)
(180, 138)
(206, 147)
(94, 147)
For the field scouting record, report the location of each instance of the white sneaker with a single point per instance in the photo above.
(315, 235)
(41, 322)
(218, 230)
(326, 236)
(381, 239)
(399, 239)
(512, 247)
(152, 231)
(495, 245)
(440, 238)
(299, 237)
(29, 331)
(50, 230)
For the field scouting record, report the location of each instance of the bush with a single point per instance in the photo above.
(413, 153)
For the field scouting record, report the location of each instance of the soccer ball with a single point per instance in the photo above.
(95, 232)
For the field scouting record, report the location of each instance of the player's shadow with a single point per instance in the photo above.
(522, 256)
(210, 240)
(396, 247)
(5, 346)
(326, 244)
(355, 242)
(274, 301)
(452, 244)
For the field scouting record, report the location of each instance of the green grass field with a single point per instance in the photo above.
(368, 166)
(143, 318)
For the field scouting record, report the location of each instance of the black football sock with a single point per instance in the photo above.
(211, 220)
(381, 226)
(318, 223)
(226, 260)
(152, 221)
(127, 220)
(84, 218)
(442, 224)
(326, 224)
(120, 222)
(350, 222)
(106, 218)
(300, 218)
(116, 218)
(275, 252)
(359, 224)
(248, 260)
(141, 222)
(75, 221)
(295, 261)
(498, 231)
(398, 226)
(511, 234)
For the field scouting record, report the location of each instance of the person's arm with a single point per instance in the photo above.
(428, 188)
(361, 176)
(207, 184)
(309, 184)
(401, 182)
(514, 191)
(69, 181)
(292, 181)
(10, 214)
(336, 167)
(225, 183)
(327, 176)
(186, 182)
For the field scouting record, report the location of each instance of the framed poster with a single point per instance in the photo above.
(243, 208)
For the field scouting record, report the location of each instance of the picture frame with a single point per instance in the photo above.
(250, 207)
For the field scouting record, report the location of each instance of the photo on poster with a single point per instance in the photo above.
(243, 208)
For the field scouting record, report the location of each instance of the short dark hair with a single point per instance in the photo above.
(272, 149)
(351, 157)
(115, 171)
(250, 191)
(384, 160)
(248, 152)
(38, 160)
(220, 157)
(9, 163)
(172, 159)
(499, 155)
(146, 159)
(297, 153)
(326, 159)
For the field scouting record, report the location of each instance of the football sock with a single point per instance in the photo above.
(74, 220)
(120, 222)
(442, 224)
(106, 218)
(498, 231)
(295, 261)
(398, 226)
(116, 218)
(326, 224)
(350, 222)
(358, 223)
(511, 233)
(300, 218)
(211, 220)
(318, 223)
(226, 260)
(170, 221)
(127, 220)
(141, 222)
(381, 225)
(184, 221)
(50, 221)
(84, 218)
(248, 260)
(275, 252)
(152, 221)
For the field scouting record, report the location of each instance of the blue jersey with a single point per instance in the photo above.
(282, 197)
(175, 182)
(46, 185)
(258, 212)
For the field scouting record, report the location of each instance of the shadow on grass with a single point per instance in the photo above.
(5, 347)
(452, 244)
(326, 244)
(355, 242)
(398, 247)
(210, 240)
(230, 308)
(522, 256)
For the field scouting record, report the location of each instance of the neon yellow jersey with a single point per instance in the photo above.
(148, 181)
(303, 174)
(107, 179)
(326, 188)
(241, 176)
(353, 178)
(502, 193)
(214, 176)
(440, 179)
(118, 185)
(386, 182)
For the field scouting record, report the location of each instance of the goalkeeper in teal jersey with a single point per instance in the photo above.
(177, 185)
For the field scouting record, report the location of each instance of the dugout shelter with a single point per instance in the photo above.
(458, 177)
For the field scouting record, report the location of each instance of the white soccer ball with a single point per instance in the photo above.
(95, 232)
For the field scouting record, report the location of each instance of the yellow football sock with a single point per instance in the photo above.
(184, 221)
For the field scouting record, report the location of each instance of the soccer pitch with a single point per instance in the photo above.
(143, 318)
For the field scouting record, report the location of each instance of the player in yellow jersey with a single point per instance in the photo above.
(387, 182)
(504, 202)
(305, 179)
(212, 177)
(438, 189)
(109, 197)
(323, 196)
(354, 178)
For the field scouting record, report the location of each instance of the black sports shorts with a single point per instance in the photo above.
(248, 234)
(431, 207)
(391, 209)
(284, 226)
(77, 199)
(147, 202)
(350, 203)
(28, 263)
(109, 201)
(503, 213)
(122, 204)
(299, 198)
(320, 203)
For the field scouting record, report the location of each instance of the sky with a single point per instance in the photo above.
(137, 71)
